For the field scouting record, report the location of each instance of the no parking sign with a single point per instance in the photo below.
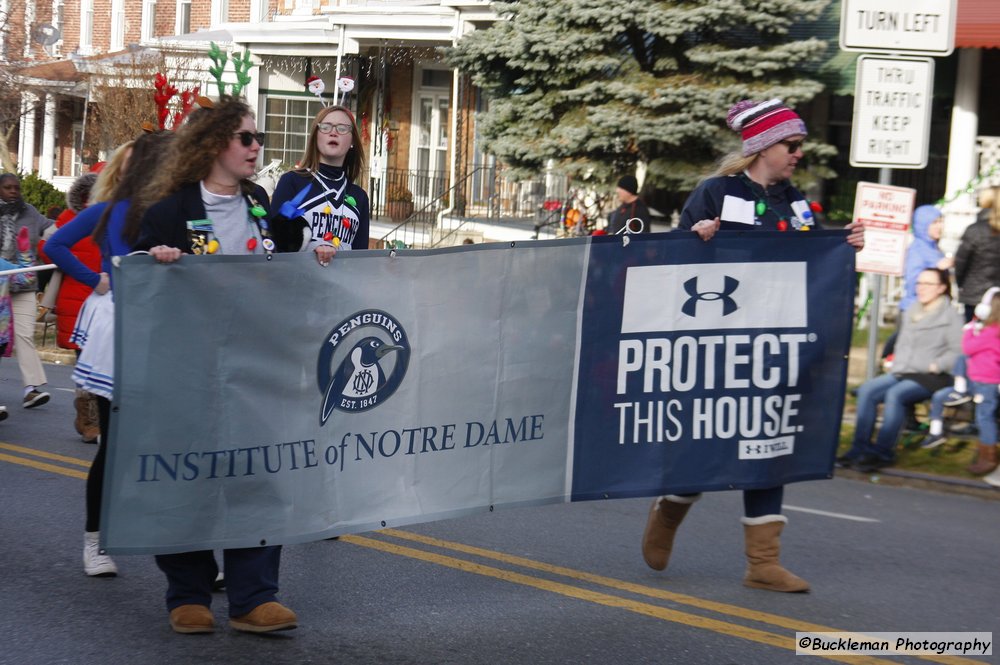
(886, 212)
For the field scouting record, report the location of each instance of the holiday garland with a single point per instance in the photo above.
(971, 186)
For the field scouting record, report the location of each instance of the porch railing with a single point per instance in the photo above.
(484, 194)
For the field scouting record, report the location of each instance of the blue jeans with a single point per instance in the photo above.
(758, 503)
(937, 403)
(251, 577)
(986, 411)
(896, 394)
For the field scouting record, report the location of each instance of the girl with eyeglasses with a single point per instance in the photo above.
(750, 191)
(208, 205)
(320, 205)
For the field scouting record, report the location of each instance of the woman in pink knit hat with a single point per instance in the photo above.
(750, 191)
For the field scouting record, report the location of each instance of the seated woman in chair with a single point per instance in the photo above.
(929, 341)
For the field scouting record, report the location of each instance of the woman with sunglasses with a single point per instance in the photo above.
(319, 205)
(750, 191)
(209, 205)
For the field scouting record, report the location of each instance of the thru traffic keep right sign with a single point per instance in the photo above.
(892, 112)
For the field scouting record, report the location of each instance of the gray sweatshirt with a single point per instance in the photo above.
(934, 339)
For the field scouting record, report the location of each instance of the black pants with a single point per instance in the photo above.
(95, 477)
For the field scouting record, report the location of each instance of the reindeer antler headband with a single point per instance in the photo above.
(242, 65)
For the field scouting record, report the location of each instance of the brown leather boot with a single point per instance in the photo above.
(80, 402)
(91, 425)
(986, 460)
(665, 515)
(763, 536)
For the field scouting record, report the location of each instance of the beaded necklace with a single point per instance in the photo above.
(799, 220)
(204, 242)
(320, 178)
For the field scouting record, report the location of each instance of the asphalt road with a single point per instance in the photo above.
(557, 584)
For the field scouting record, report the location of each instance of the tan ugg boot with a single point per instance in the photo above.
(986, 460)
(266, 618)
(190, 619)
(665, 515)
(763, 536)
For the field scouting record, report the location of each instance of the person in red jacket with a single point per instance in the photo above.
(71, 296)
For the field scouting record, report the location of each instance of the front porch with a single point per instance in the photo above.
(420, 209)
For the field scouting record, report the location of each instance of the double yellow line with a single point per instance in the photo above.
(626, 596)
(784, 640)
(44, 466)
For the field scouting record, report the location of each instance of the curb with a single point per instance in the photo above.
(57, 356)
(916, 479)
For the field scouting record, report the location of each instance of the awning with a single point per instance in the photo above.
(978, 24)
(60, 70)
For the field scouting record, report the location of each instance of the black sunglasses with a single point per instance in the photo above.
(247, 138)
(793, 146)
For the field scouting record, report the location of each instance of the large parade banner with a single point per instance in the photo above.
(274, 401)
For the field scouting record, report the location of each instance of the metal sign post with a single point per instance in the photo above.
(892, 98)
(886, 212)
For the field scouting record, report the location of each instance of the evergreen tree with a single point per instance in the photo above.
(598, 86)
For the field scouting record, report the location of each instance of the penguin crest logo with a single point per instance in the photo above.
(362, 362)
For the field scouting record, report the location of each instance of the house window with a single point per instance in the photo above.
(86, 27)
(286, 124)
(258, 11)
(29, 21)
(77, 157)
(59, 22)
(220, 12)
(148, 30)
(117, 25)
(183, 26)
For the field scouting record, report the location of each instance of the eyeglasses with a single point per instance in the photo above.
(928, 283)
(327, 127)
(793, 146)
(247, 138)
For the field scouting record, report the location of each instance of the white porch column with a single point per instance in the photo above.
(962, 162)
(46, 164)
(962, 157)
(26, 141)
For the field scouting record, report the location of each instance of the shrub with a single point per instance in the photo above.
(41, 193)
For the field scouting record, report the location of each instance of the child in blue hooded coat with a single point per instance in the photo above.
(923, 252)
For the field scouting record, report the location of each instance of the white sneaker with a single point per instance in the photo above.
(95, 562)
(993, 478)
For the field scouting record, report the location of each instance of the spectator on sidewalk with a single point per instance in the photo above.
(14, 214)
(977, 261)
(23, 259)
(632, 214)
(928, 345)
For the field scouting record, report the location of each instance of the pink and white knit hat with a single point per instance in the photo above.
(762, 124)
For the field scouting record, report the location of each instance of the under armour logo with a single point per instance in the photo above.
(728, 304)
